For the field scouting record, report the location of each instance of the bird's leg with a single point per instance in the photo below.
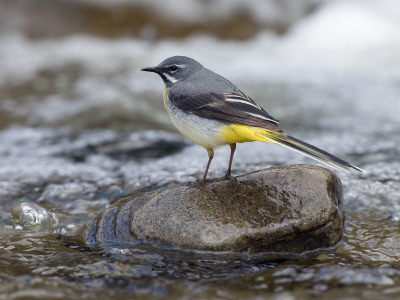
(228, 174)
(210, 157)
(203, 182)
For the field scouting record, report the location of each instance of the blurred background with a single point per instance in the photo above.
(62, 61)
(81, 126)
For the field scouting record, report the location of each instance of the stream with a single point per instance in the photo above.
(81, 126)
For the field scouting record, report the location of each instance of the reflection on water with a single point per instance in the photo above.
(81, 126)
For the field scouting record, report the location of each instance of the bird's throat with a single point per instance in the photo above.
(165, 98)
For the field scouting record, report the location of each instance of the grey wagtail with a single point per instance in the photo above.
(211, 111)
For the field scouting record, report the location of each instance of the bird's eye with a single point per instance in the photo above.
(173, 68)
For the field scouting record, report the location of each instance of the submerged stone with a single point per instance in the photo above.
(290, 209)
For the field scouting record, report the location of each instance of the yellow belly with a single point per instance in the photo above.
(238, 133)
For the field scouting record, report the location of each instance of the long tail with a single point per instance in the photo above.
(309, 150)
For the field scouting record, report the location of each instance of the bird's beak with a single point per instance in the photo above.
(151, 69)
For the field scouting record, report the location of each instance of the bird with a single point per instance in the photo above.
(211, 111)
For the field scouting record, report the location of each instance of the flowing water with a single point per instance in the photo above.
(81, 126)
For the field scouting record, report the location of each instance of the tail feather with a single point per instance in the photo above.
(310, 151)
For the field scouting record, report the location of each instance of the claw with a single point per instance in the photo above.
(227, 177)
(199, 185)
(233, 178)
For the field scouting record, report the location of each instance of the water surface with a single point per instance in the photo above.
(81, 126)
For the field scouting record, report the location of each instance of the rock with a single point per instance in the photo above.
(291, 209)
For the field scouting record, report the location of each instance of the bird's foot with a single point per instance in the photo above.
(227, 177)
(199, 185)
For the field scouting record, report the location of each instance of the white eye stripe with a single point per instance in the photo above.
(178, 66)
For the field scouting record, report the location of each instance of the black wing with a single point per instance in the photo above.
(235, 107)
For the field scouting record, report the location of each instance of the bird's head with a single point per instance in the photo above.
(175, 68)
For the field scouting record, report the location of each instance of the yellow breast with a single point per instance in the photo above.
(165, 98)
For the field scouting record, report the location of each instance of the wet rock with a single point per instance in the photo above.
(290, 209)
